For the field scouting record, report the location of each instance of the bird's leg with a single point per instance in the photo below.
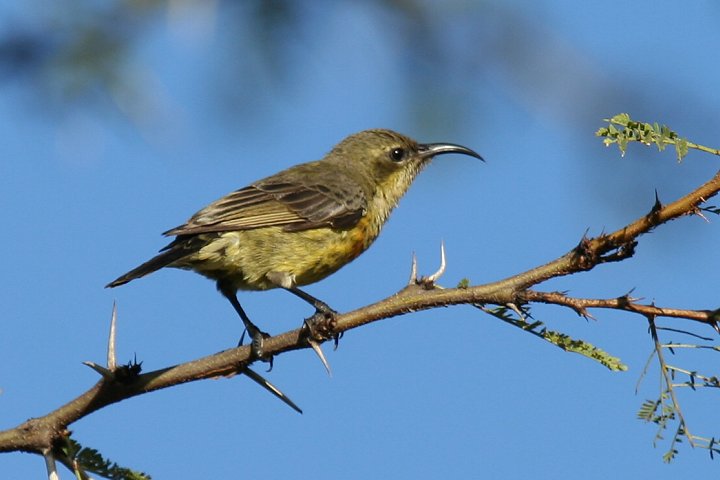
(318, 327)
(257, 335)
(320, 306)
(286, 281)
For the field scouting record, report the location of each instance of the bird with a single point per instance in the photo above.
(300, 225)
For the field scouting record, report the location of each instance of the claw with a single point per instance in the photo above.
(336, 340)
(257, 340)
(256, 347)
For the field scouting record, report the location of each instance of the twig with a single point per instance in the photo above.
(626, 303)
(682, 427)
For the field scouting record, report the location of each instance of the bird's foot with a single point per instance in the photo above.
(318, 328)
(326, 316)
(257, 341)
(321, 325)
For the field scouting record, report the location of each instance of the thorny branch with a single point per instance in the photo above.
(47, 433)
(625, 303)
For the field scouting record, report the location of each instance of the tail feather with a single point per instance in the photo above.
(156, 263)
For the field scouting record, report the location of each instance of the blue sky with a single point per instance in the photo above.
(89, 184)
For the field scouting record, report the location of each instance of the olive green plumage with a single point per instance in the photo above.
(302, 224)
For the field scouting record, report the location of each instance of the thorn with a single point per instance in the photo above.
(432, 278)
(699, 213)
(583, 312)
(104, 372)
(111, 358)
(628, 298)
(318, 351)
(50, 465)
(413, 271)
(263, 382)
(657, 206)
(429, 281)
(715, 321)
(309, 336)
(517, 310)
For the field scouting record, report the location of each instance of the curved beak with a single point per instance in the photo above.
(428, 150)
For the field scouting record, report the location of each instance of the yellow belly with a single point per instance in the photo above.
(247, 257)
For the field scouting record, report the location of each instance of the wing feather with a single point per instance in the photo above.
(298, 205)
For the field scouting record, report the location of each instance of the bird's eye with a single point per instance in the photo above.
(397, 154)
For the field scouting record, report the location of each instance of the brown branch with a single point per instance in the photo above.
(38, 435)
(625, 303)
(615, 246)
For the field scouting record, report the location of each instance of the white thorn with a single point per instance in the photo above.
(432, 278)
(316, 347)
(413, 270)
(701, 215)
(263, 382)
(111, 358)
(108, 374)
(50, 465)
(515, 309)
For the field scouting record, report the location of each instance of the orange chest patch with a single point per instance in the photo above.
(361, 236)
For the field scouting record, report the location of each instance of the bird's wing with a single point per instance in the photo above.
(293, 205)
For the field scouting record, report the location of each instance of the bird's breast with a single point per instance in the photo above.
(247, 257)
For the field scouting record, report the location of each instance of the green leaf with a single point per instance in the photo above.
(82, 459)
(621, 119)
(647, 410)
(586, 349)
(648, 134)
(681, 148)
(669, 455)
(558, 339)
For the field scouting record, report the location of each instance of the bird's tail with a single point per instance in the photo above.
(156, 263)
